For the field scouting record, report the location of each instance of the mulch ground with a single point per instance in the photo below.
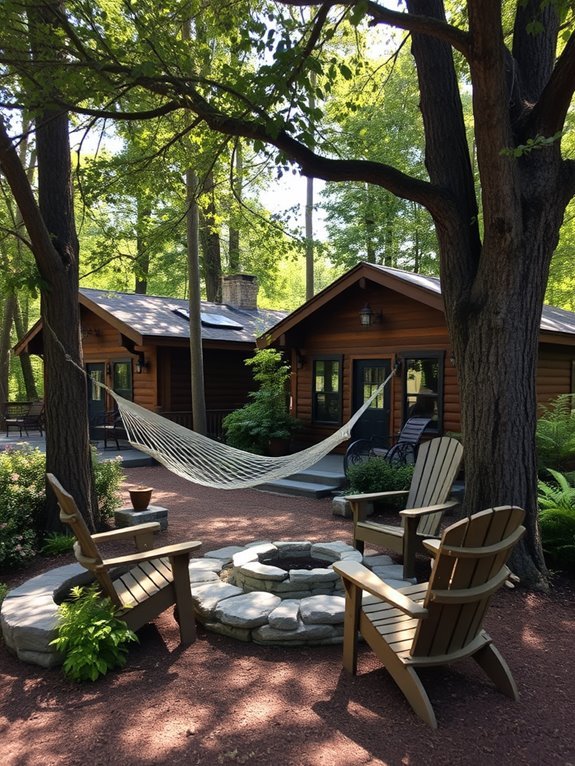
(220, 701)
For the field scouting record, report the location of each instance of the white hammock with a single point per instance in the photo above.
(211, 463)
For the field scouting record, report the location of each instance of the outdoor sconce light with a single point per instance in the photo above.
(141, 364)
(368, 317)
(109, 370)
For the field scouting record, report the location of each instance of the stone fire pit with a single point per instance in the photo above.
(244, 592)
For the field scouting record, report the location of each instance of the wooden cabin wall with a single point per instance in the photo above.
(555, 369)
(227, 379)
(407, 327)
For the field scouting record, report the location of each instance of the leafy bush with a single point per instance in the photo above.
(55, 544)
(23, 498)
(267, 415)
(557, 521)
(108, 476)
(556, 435)
(90, 635)
(376, 475)
(3, 592)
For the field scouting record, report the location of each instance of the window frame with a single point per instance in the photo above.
(129, 366)
(435, 427)
(327, 358)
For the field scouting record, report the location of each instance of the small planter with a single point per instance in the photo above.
(140, 498)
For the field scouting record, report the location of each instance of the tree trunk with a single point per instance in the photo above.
(67, 441)
(142, 251)
(7, 315)
(211, 240)
(234, 258)
(27, 373)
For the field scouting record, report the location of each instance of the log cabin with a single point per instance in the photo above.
(344, 342)
(138, 345)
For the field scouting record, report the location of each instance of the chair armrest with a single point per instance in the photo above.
(432, 546)
(170, 551)
(363, 578)
(375, 495)
(126, 532)
(426, 510)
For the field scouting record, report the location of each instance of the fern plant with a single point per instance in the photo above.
(91, 635)
(557, 521)
(556, 435)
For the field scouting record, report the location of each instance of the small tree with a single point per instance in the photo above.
(267, 416)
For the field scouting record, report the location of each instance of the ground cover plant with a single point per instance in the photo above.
(91, 635)
(557, 521)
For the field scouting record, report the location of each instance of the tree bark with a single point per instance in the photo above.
(211, 241)
(27, 373)
(8, 307)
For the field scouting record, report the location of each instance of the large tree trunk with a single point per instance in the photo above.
(27, 372)
(8, 306)
(211, 242)
(67, 440)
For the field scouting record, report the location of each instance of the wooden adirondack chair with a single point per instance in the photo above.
(438, 622)
(436, 467)
(149, 581)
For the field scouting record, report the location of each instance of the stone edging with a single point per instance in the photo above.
(29, 614)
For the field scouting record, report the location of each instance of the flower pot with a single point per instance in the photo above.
(140, 498)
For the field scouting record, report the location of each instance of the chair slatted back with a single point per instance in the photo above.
(435, 470)
(85, 549)
(469, 568)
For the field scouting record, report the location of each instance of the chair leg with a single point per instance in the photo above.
(350, 626)
(184, 605)
(492, 663)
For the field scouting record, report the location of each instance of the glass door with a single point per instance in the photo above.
(368, 375)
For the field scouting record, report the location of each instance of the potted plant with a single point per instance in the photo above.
(264, 425)
(140, 497)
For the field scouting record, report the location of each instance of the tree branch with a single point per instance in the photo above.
(425, 25)
(548, 115)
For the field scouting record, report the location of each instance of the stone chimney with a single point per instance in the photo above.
(240, 291)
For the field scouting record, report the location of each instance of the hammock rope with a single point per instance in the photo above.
(205, 461)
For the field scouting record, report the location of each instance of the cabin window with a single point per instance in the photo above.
(122, 378)
(327, 390)
(423, 387)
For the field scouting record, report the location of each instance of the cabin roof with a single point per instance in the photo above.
(152, 316)
(145, 318)
(423, 288)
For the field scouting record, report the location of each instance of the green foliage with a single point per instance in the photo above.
(3, 592)
(23, 498)
(55, 544)
(91, 635)
(557, 521)
(267, 415)
(556, 435)
(108, 476)
(21, 503)
(377, 475)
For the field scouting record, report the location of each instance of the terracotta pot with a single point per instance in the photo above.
(140, 498)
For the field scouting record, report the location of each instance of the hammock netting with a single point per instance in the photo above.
(211, 463)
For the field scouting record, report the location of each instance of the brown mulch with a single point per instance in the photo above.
(221, 701)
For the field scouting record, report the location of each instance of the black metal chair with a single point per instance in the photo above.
(403, 451)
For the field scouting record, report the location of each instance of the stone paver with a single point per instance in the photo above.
(247, 611)
(322, 609)
(285, 616)
(206, 597)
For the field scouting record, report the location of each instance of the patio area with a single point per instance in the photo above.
(223, 701)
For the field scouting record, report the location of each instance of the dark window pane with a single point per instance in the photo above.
(122, 379)
(326, 390)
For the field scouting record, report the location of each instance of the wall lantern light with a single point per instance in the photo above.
(141, 364)
(368, 317)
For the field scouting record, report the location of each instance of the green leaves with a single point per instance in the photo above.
(91, 635)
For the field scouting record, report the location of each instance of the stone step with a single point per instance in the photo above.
(300, 488)
(312, 476)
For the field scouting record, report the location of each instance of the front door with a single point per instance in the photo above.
(95, 372)
(368, 375)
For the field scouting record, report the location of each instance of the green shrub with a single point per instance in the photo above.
(376, 475)
(23, 499)
(557, 521)
(556, 435)
(267, 415)
(108, 476)
(55, 544)
(3, 592)
(90, 635)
